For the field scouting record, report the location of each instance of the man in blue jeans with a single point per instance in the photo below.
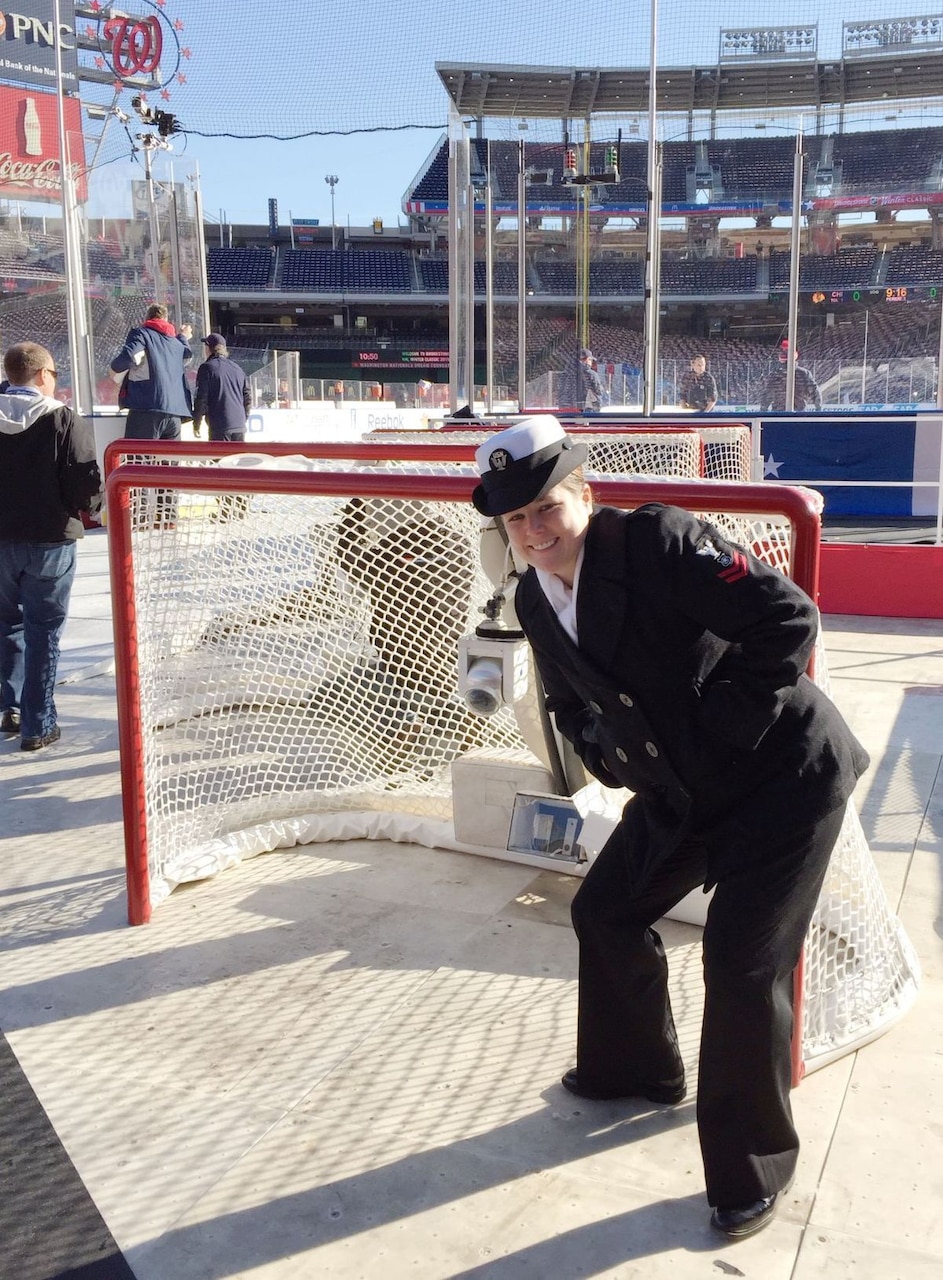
(48, 475)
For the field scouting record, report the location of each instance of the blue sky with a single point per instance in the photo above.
(360, 64)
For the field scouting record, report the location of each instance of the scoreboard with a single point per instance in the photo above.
(893, 293)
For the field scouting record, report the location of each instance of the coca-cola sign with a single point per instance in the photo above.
(29, 145)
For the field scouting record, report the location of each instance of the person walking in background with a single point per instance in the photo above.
(590, 382)
(698, 387)
(154, 390)
(222, 393)
(674, 663)
(773, 393)
(223, 399)
(48, 475)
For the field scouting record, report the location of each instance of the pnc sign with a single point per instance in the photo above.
(28, 47)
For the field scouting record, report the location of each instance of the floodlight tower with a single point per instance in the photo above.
(332, 180)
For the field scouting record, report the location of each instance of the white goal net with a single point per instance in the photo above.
(718, 451)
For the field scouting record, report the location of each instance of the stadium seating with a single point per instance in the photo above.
(851, 268)
(346, 271)
(434, 274)
(235, 270)
(899, 159)
(709, 275)
(915, 266)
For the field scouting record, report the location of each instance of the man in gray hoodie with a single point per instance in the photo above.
(48, 475)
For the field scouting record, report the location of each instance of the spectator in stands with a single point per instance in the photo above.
(673, 661)
(698, 388)
(773, 394)
(590, 382)
(48, 475)
(154, 389)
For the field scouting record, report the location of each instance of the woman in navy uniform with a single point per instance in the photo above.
(673, 661)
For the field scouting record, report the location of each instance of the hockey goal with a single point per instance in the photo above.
(674, 452)
(727, 447)
(286, 673)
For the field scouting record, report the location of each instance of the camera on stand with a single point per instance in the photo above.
(492, 668)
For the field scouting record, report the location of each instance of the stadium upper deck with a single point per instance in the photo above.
(875, 173)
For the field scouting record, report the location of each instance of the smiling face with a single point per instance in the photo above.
(549, 532)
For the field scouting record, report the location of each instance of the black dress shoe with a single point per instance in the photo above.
(747, 1220)
(36, 744)
(668, 1092)
(10, 722)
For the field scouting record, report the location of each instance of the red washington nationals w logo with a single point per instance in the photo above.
(136, 45)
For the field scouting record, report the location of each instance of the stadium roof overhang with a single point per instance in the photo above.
(569, 93)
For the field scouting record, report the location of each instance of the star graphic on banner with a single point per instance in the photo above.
(186, 52)
(181, 78)
(771, 467)
(178, 24)
(160, 3)
(118, 86)
(90, 32)
(99, 63)
(165, 94)
(95, 6)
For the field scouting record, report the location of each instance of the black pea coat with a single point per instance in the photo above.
(688, 687)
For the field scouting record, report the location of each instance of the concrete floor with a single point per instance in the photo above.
(343, 1060)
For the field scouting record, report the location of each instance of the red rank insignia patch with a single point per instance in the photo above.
(734, 567)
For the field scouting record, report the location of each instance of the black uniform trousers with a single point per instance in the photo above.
(756, 926)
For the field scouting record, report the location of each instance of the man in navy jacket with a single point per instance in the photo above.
(222, 393)
(223, 398)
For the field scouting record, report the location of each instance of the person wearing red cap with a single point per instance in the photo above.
(673, 661)
(773, 393)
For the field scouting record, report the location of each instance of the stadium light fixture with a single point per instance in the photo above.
(332, 180)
